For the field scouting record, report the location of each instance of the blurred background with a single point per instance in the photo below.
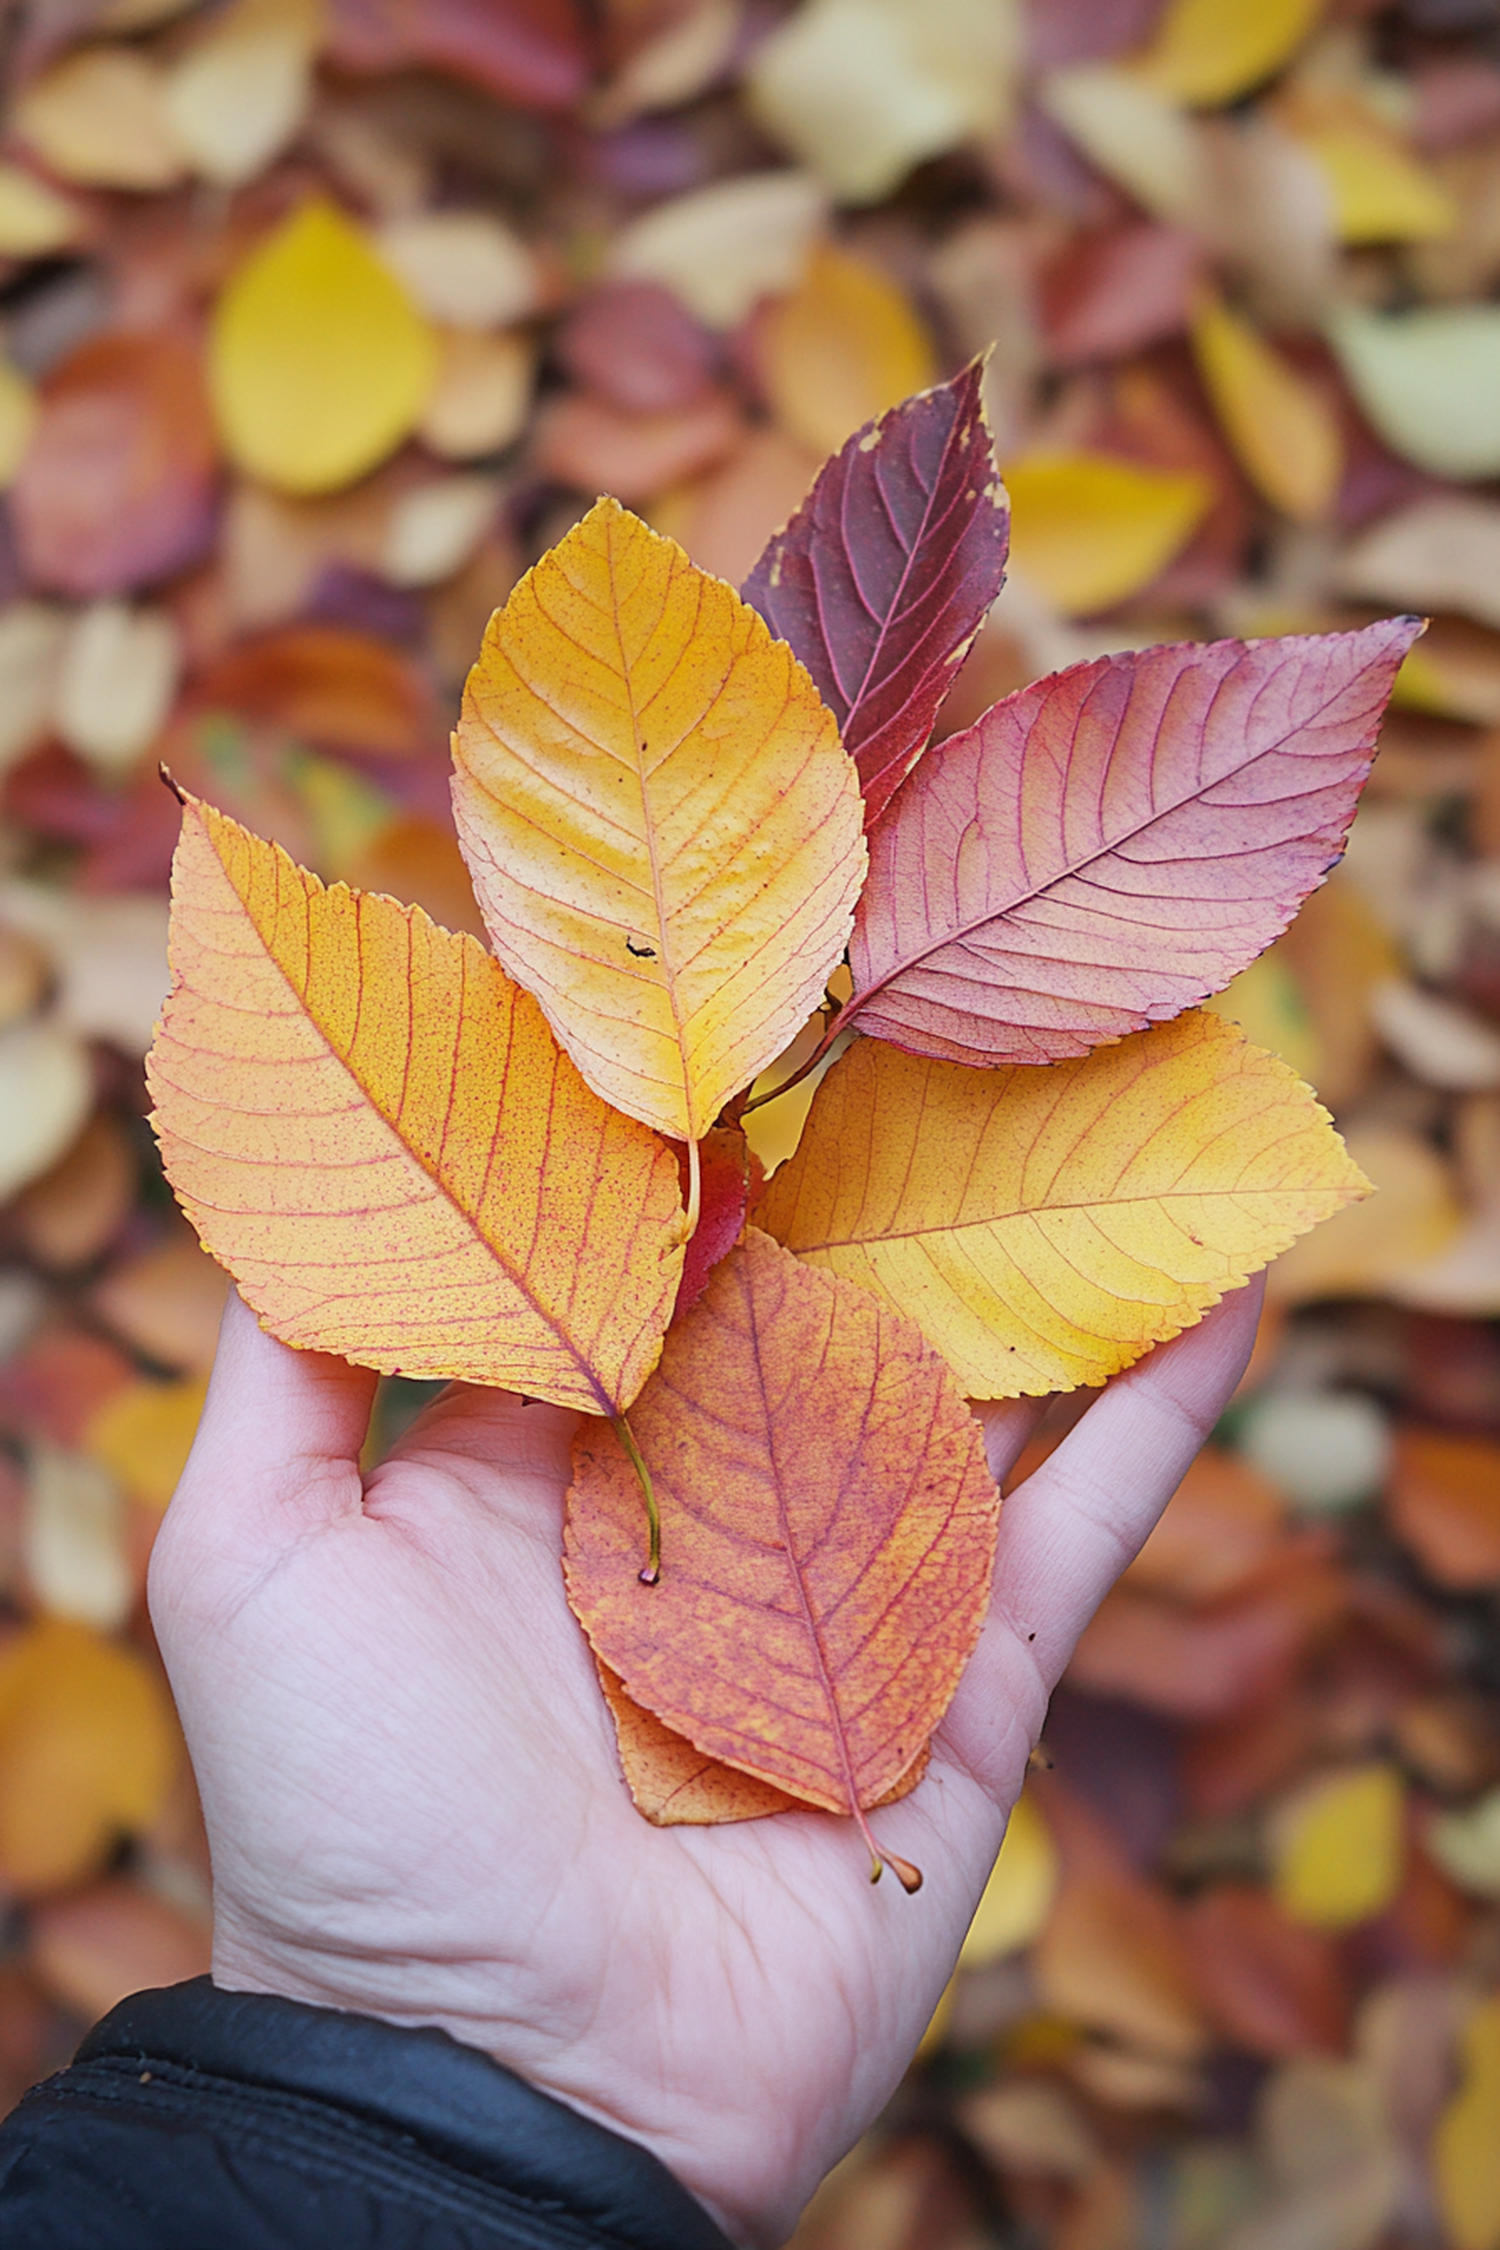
(317, 324)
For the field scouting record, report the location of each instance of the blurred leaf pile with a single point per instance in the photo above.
(317, 323)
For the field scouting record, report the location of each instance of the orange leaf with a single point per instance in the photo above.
(1445, 1505)
(374, 1130)
(676, 1786)
(1046, 1226)
(826, 1512)
(663, 828)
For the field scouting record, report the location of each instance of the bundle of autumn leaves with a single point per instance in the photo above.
(717, 871)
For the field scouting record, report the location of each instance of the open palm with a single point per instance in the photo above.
(415, 1805)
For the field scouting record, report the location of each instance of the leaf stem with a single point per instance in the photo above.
(695, 1190)
(774, 1093)
(626, 1436)
(909, 1877)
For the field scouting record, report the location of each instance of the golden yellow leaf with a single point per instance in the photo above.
(1046, 1226)
(1212, 51)
(663, 828)
(1380, 191)
(1284, 432)
(144, 1433)
(318, 360)
(1339, 1847)
(1018, 1896)
(840, 349)
(1413, 1216)
(374, 1130)
(87, 1748)
(34, 218)
(1088, 530)
(1466, 2146)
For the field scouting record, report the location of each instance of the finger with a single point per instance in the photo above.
(1068, 1531)
(277, 1449)
(501, 1447)
(1007, 1424)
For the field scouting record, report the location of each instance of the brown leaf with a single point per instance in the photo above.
(1445, 1504)
(118, 487)
(1220, 1525)
(1276, 1987)
(825, 1508)
(166, 1302)
(595, 447)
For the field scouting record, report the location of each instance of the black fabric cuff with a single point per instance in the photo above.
(555, 2175)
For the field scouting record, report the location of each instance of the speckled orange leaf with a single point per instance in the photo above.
(1046, 1227)
(828, 1533)
(375, 1131)
(677, 1786)
(663, 828)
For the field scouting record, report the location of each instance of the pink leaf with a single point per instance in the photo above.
(886, 572)
(1109, 846)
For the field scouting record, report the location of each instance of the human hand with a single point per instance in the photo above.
(414, 1801)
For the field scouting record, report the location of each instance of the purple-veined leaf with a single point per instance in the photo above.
(886, 572)
(1114, 843)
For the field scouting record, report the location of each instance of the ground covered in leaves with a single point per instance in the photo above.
(1237, 1979)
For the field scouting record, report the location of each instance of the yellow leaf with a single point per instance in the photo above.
(1267, 1003)
(100, 117)
(663, 828)
(319, 362)
(144, 1433)
(1381, 193)
(1018, 1896)
(1212, 51)
(34, 218)
(1466, 2146)
(17, 419)
(87, 1748)
(1339, 1848)
(373, 1129)
(1088, 530)
(1412, 1216)
(722, 248)
(843, 347)
(1046, 1226)
(861, 90)
(1284, 432)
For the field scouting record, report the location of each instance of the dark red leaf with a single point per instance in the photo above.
(119, 483)
(886, 572)
(1276, 1986)
(727, 1166)
(635, 345)
(1115, 289)
(1114, 843)
(534, 52)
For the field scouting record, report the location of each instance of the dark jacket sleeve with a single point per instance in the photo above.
(194, 2119)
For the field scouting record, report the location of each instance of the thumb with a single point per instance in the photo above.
(277, 1449)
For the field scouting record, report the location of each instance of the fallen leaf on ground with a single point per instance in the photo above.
(841, 348)
(721, 249)
(1445, 1504)
(100, 118)
(1466, 2148)
(87, 1748)
(587, 443)
(116, 684)
(1017, 1899)
(481, 394)
(72, 1213)
(1276, 1986)
(73, 1543)
(143, 1434)
(119, 482)
(1089, 530)
(95, 1948)
(1137, 135)
(384, 1228)
(1284, 431)
(861, 90)
(881, 579)
(824, 1505)
(618, 694)
(1219, 1526)
(166, 1302)
(46, 1093)
(239, 92)
(1203, 52)
(1429, 380)
(1338, 1847)
(1438, 553)
(319, 363)
(463, 269)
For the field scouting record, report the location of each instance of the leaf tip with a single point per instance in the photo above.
(172, 783)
